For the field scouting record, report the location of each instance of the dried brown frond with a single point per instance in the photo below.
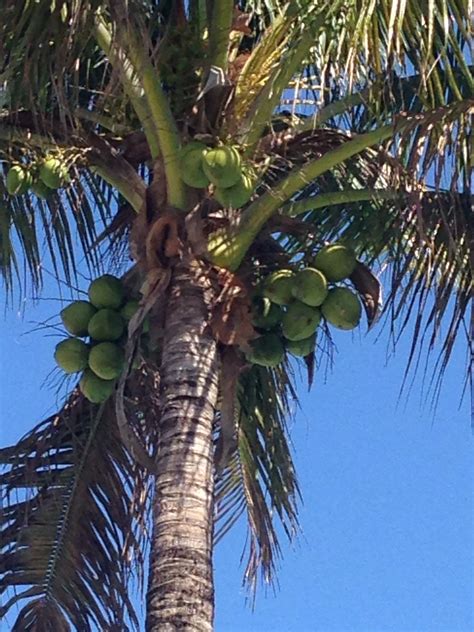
(74, 519)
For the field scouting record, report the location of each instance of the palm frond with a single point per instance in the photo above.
(74, 518)
(393, 44)
(43, 43)
(260, 479)
(431, 276)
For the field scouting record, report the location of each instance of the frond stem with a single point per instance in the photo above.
(219, 32)
(333, 198)
(227, 250)
(162, 120)
(120, 61)
(69, 493)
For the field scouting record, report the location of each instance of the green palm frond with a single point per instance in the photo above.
(260, 479)
(431, 272)
(64, 30)
(74, 518)
(367, 45)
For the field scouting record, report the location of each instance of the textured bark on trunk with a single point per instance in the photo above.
(180, 588)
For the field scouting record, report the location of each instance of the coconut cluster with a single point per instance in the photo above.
(221, 166)
(41, 177)
(292, 304)
(103, 321)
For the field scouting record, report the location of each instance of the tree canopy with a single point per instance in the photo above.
(354, 122)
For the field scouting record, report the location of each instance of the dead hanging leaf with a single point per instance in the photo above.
(229, 283)
(235, 67)
(163, 241)
(195, 233)
(369, 289)
(232, 364)
(310, 361)
(231, 320)
(155, 285)
(240, 22)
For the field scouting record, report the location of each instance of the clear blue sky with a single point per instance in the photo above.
(387, 520)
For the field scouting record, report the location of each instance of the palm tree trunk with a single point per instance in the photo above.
(180, 587)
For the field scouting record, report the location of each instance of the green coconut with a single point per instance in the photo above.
(336, 261)
(268, 350)
(302, 348)
(300, 321)
(278, 286)
(236, 195)
(265, 314)
(72, 355)
(129, 310)
(342, 308)
(18, 180)
(106, 325)
(310, 287)
(76, 317)
(53, 173)
(39, 188)
(106, 291)
(191, 163)
(222, 166)
(106, 360)
(95, 389)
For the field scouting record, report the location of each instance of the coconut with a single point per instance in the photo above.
(191, 162)
(72, 355)
(342, 308)
(310, 287)
(106, 291)
(268, 350)
(76, 317)
(301, 348)
(129, 309)
(222, 166)
(18, 180)
(277, 287)
(53, 173)
(265, 313)
(94, 388)
(106, 360)
(336, 261)
(300, 321)
(236, 195)
(107, 324)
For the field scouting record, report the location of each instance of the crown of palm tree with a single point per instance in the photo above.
(354, 116)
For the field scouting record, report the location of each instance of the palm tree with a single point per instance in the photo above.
(352, 119)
